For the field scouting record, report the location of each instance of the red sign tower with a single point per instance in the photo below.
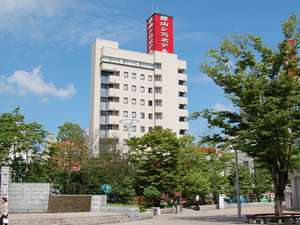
(160, 33)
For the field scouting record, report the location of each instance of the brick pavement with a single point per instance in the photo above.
(205, 217)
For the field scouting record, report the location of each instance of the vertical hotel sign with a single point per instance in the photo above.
(160, 33)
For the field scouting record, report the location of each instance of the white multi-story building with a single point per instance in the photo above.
(132, 92)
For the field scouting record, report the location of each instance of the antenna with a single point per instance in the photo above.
(155, 8)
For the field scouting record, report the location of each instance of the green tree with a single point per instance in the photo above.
(264, 84)
(67, 157)
(203, 169)
(152, 194)
(71, 132)
(21, 144)
(155, 160)
(218, 163)
(245, 180)
(262, 181)
(193, 169)
(195, 183)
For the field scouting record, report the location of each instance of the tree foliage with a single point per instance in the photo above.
(264, 84)
(155, 158)
(21, 144)
(71, 132)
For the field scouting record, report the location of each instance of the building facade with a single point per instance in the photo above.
(132, 92)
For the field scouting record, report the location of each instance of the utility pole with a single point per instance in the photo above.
(237, 184)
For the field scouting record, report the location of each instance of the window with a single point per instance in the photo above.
(182, 132)
(157, 65)
(158, 90)
(142, 89)
(182, 119)
(133, 101)
(181, 94)
(104, 86)
(150, 116)
(125, 128)
(142, 115)
(133, 114)
(149, 90)
(126, 74)
(114, 85)
(109, 126)
(142, 101)
(125, 100)
(113, 126)
(150, 129)
(126, 87)
(113, 99)
(103, 113)
(125, 113)
(158, 102)
(157, 77)
(133, 75)
(150, 103)
(182, 106)
(104, 78)
(142, 129)
(149, 77)
(181, 70)
(158, 116)
(103, 99)
(181, 82)
(142, 76)
(133, 88)
(133, 128)
(109, 113)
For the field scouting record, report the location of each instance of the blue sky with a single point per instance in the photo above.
(45, 47)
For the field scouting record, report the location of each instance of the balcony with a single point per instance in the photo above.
(183, 100)
(183, 88)
(182, 76)
(183, 112)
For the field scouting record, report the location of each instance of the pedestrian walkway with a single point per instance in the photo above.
(205, 217)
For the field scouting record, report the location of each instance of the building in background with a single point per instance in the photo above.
(132, 92)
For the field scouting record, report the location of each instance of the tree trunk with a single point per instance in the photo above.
(216, 198)
(278, 207)
(279, 181)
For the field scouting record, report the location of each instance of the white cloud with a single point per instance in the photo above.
(222, 107)
(66, 23)
(22, 82)
(16, 13)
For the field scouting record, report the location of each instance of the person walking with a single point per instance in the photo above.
(4, 211)
(197, 202)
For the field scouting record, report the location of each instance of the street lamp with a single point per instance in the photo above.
(237, 183)
(129, 123)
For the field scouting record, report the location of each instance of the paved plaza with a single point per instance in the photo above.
(205, 217)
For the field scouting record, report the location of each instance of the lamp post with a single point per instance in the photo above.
(129, 124)
(237, 184)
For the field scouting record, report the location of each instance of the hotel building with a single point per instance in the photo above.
(132, 92)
